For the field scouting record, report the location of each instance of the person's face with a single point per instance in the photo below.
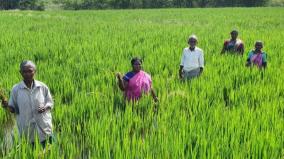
(28, 73)
(234, 35)
(192, 42)
(137, 66)
(258, 46)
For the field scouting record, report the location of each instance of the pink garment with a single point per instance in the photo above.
(140, 83)
(257, 59)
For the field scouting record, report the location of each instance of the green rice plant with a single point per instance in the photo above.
(229, 112)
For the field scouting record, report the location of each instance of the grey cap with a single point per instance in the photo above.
(26, 63)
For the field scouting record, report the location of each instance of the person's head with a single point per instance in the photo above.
(27, 70)
(192, 41)
(234, 34)
(258, 45)
(136, 64)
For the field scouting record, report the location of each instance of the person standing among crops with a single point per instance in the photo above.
(257, 57)
(233, 45)
(31, 101)
(192, 60)
(136, 82)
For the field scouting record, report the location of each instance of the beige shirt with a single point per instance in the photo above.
(26, 101)
(192, 60)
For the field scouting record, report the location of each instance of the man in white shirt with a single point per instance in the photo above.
(192, 61)
(31, 101)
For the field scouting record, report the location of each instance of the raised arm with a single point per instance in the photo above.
(121, 83)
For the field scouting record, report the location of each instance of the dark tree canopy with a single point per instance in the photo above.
(121, 4)
(22, 4)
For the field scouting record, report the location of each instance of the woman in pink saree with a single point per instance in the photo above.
(257, 57)
(136, 82)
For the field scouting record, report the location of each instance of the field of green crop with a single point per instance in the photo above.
(229, 112)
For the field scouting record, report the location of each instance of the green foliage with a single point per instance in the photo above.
(9, 4)
(123, 4)
(229, 112)
(102, 4)
(23, 4)
(31, 5)
(276, 3)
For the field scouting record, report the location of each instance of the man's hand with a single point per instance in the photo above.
(42, 109)
(118, 75)
(3, 99)
(201, 70)
(4, 103)
(156, 100)
(181, 74)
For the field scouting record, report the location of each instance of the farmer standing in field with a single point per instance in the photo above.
(233, 45)
(31, 101)
(192, 61)
(257, 57)
(136, 82)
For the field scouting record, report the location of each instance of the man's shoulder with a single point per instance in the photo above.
(17, 86)
(40, 84)
(199, 49)
(186, 49)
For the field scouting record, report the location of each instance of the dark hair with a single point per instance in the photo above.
(234, 31)
(133, 60)
(258, 42)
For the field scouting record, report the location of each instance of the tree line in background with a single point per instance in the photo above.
(100, 4)
(23, 4)
(122, 4)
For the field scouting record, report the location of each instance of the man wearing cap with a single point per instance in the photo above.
(192, 60)
(31, 101)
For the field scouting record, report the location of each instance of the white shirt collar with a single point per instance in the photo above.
(35, 84)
